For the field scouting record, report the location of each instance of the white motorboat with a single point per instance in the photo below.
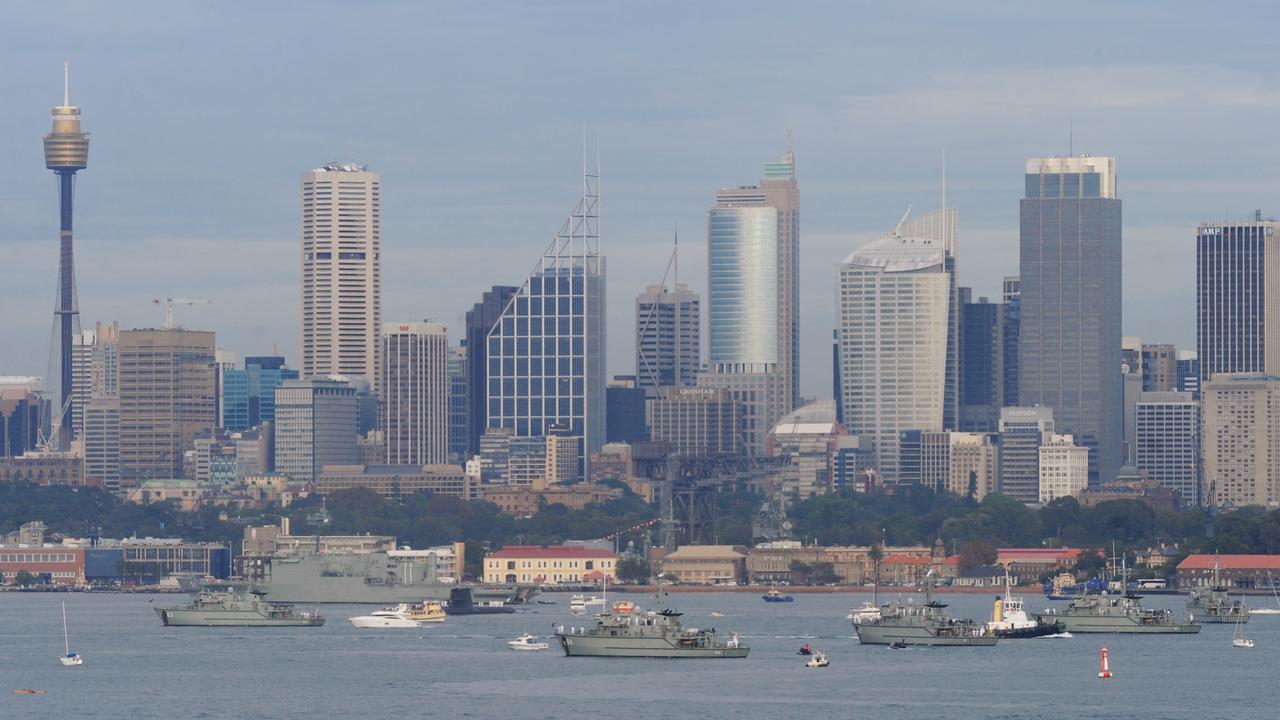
(578, 604)
(71, 659)
(817, 660)
(527, 642)
(717, 614)
(385, 618)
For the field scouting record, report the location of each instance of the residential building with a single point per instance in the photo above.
(495, 455)
(706, 565)
(315, 426)
(1070, 303)
(341, 272)
(1168, 442)
(1238, 297)
(697, 421)
(972, 465)
(480, 321)
(526, 462)
(753, 301)
(1064, 468)
(1022, 431)
(546, 354)
(414, 398)
(561, 564)
(395, 482)
(668, 338)
(1240, 421)
(167, 385)
(894, 315)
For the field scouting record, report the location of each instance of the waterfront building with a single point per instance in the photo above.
(1070, 302)
(1022, 431)
(168, 397)
(1064, 468)
(457, 371)
(1238, 297)
(396, 482)
(1236, 572)
(341, 272)
(560, 564)
(101, 436)
(668, 337)
(972, 465)
(1240, 420)
(982, 355)
(753, 305)
(706, 564)
(546, 353)
(414, 399)
(893, 307)
(626, 407)
(52, 564)
(1168, 442)
(774, 563)
(480, 320)
(315, 426)
(66, 151)
(697, 421)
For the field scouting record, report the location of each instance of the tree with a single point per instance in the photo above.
(24, 578)
(876, 554)
(976, 553)
(633, 570)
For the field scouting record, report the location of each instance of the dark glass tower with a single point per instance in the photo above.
(1069, 344)
(66, 150)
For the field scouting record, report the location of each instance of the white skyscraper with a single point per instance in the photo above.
(341, 272)
(893, 300)
(414, 399)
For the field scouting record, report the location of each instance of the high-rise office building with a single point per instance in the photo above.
(341, 272)
(972, 466)
(1022, 431)
(1159, 368)
(1238, 297)
(480, 320)
(1069, 259)
(625, 403)
(893, 310)
(101, 436)
(982, 351)
(1168, 442)
(167, 386)
(546, 353)
(66, 151)
(1010, 317)
(457, 403)
(249, 394)
(697, 421)
(668, 337)
(19, 418)
(753, 306)
(1064, 468)
(1240, 417)
(1189, 372)
(415, 393)
(315, 426)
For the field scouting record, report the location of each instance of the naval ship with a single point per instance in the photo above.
(901, 624)
(232, 605)
(1116, 611)
(375, 578)
(1213, 604)
(626, 631)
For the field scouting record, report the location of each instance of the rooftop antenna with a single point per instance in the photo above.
(1071, 136)
(946, 224)
(66, 83)
(675, 281)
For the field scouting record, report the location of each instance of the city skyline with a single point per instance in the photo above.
(661, 154)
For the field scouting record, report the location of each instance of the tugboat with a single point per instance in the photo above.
(1213, 604)
(625, 631)
(927, 624)
(1009, 620)
(231, 606)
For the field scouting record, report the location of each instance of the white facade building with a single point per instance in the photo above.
(1064, 468)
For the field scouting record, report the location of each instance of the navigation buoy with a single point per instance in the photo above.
(1105, 672)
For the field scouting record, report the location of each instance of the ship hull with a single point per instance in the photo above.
(1119, 625)
(880, 634)
(177, 617)
(588, 646)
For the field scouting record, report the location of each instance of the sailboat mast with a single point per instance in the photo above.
(66, 641)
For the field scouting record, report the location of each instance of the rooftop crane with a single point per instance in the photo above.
(168, 304)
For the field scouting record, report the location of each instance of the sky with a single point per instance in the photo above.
(202, 118)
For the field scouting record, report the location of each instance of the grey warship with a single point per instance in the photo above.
(1115, 613)
(626, 631)
(236, 606)
(1214, 604)
(927, 624)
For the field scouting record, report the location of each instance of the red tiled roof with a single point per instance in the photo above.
(555, 552)
(1231, 562)
(1038, 553)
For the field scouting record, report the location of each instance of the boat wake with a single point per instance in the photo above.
(1057, 635)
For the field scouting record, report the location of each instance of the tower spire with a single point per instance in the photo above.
(66, 83)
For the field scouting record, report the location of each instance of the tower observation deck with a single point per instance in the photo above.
(66, 150)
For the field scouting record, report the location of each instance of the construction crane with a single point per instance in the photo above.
(168, 304)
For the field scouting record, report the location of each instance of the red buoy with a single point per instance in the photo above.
(1105, 672)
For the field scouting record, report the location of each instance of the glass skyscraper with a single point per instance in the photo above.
(546, 353)
(1069, 342)
(248, 395)
(1237, 297)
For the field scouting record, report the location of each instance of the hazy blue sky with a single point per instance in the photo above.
(202, 117)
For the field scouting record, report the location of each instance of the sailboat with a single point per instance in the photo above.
(71, 659)
(1268, 610)
(1239, 640)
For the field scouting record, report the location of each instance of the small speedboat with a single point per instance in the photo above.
(818, 660)
(900, 645)
(716, 613)
(526, 642)
(774, 596)
(28, 691)
(804, 650)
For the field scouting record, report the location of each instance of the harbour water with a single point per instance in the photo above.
(135, 668)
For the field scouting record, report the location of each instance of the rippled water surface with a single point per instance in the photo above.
(135, 668)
